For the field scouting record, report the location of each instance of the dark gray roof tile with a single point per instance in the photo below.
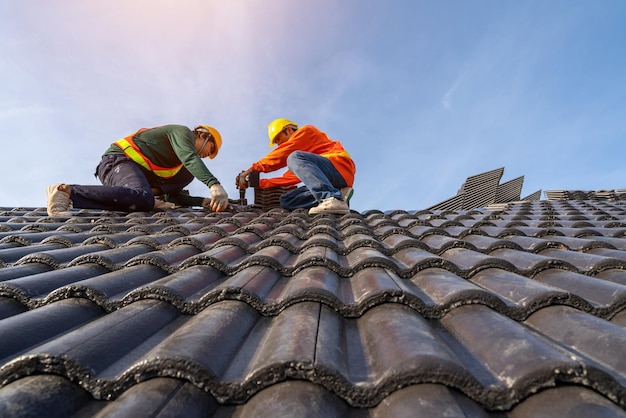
(21, 332)
(522, 295)
(155, 240)
(10, 306)
(31, 290)
(408, 261)
(12, 255)
(155, 397)
(63, 256)
(444, 223)
(537, 231)
(227, 257)
(168, 258)
(498, 232)
(513, 223)
(203, 240)
(190, 289)
(487, 244)
(114, 257)
(612, 242)
(438, 244)
(458, 231)
(322, 256)
(516, 358)
(585, 262)
(101, 349)
(529, 264)
(47, 396)
(323, 239)
(605, 232)
(39, 237)
(420, 231)
(368, 287)
(487, 312)
(577, 244)
(291, 242)
(534, 245)
(13, 272)
(620, 319)
(603, 295)
(596, 344)
(298, 398)
(613, 275)
(567, 401)
(603, 251)
(388, 245)
(436, 291)
(110, 290)
(470, 261)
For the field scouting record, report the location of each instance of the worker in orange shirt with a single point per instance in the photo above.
(321, 164)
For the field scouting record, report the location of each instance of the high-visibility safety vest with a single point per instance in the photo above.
(133, 152)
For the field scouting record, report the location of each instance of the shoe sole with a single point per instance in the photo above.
(331, 211)
(328, 213)
(65, 214)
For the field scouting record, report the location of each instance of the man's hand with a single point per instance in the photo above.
(241, 181)
(219, 198)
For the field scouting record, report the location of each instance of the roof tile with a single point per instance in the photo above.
(511, 310)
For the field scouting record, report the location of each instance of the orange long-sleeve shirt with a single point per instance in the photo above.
(310, 139)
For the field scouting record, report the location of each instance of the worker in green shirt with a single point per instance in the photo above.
(151, 162)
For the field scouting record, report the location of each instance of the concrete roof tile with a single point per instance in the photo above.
(473, 312)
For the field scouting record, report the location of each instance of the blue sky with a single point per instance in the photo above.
(423, 94)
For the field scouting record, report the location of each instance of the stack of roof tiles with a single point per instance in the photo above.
(484, 189)
(269, 198)
(514, 312)
(619, 194)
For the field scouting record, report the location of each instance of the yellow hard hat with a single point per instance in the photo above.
(216, 137)
(276, 126)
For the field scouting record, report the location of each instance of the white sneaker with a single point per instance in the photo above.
(58, 202)
(330, 205)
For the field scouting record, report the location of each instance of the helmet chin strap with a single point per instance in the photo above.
(206, 140)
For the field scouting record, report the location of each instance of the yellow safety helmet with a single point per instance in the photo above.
(276, 126)
(216, 137)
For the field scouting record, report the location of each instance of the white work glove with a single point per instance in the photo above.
(219, 198)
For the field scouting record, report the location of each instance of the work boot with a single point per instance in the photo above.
(331, 205)
(58, 202)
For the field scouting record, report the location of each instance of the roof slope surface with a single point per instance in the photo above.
(514, 312)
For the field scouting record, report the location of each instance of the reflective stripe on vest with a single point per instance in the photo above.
(133, 152)
(336, 154)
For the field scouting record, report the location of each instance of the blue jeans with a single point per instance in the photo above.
(321, 181)
(126, 186)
